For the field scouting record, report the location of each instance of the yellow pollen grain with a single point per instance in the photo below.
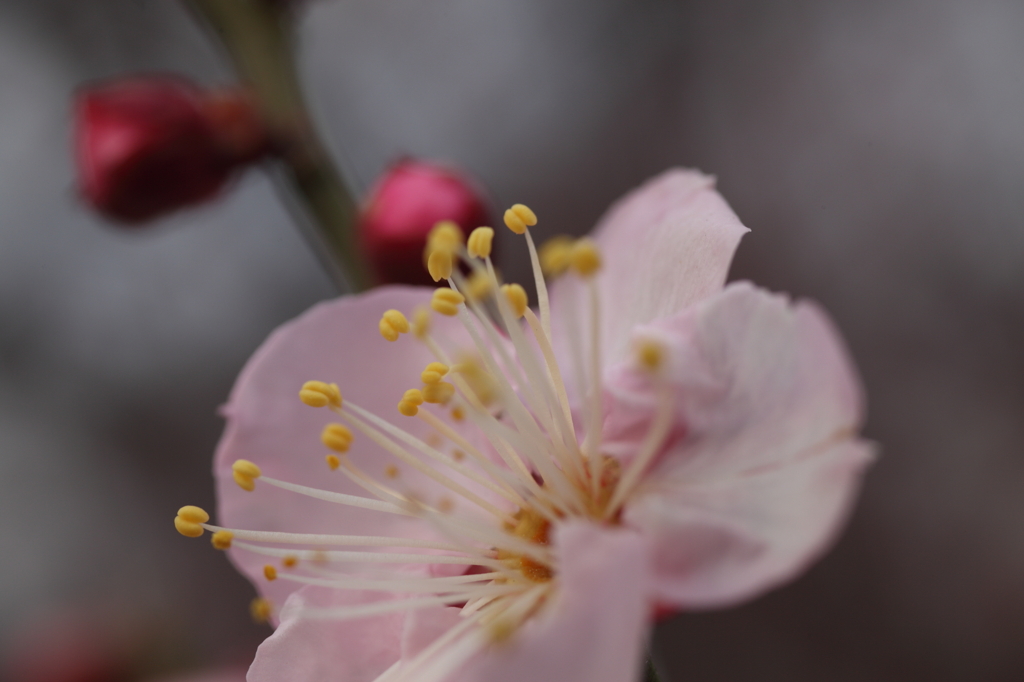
(520, 217)
(440, 264)
(480, 241)
(260, 610)
(391, 324)
(333, 462)
(320, 394)
(269, 572)
(391, 471)
(434, 439)
(517, 298)
(410, 402)
(433, 373)
(187, 528)
(584, 258)
(188, 520)
(650, 355)
(501, 630)
(245, 474)
(421, 322)
(480, 382)
(439, 393)
(193, 514)
(337, 437)
(222, 539)
(457, 414)
(445, 235)
(479, 286)
(289, 561)
(554, 255)
(445, 504)
(447, 301)
(458, 455)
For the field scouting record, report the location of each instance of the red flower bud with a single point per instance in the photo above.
(151, 144)
(404, 205)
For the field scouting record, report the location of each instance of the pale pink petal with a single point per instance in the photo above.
(595, 627)
(665, 246)
(763, 463)
(718, 544)
(423, 626)
(760, 381)
(337, 341)
(312, 650)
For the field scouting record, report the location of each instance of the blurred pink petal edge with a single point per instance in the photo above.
(751, 483)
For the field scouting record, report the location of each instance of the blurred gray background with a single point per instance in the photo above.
(876, 149)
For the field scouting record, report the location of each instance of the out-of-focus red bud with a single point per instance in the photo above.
(406, 202)
(148, 145)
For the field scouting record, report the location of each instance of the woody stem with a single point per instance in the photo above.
(258, 36)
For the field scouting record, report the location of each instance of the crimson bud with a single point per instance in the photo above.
(404, 205)
(148, 145)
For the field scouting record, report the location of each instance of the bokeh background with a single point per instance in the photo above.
(876, 149)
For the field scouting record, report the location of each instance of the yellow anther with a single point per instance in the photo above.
(457, 414)
(189, 519)
(245, 474)
(222, 539)
(421, 322)
(320, 394)
(289, 561)
(393, 323)
(479, 286)
(434, 372)
(187, 528)
(269, 572)
(554, 255)
(410, 402)
(439, 393)
(447, 301)
(193, 514)
(520, 217)
(445, 235)
(480, 241)
(480, 382)
(391, 471)
(337, 437)
(584, 258)
(260, 610)
(517, 299)
(440, 263)
(650, 355)
(333, 461)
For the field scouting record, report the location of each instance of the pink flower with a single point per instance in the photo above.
(668, 444)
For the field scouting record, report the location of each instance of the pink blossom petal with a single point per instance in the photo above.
(423, 626)
(665, 246)
(311, 650)
(719, 544)
(594, 628)
(760, 381)
(765, 464)
(267, 423)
